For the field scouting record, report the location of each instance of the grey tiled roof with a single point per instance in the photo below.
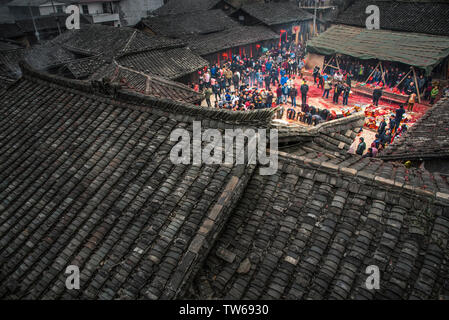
(86, 180)
(171, 63)
(101, 45)
(10, 55)
(83, 68)
(310, 231)
(273, 13)
(149, 84)
(201, 22)
(47, 54)
(230, 38)
(110, 41)
(184, 6)
(428, 138)
(408, 16)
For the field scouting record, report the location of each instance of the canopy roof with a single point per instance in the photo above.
(419, 50)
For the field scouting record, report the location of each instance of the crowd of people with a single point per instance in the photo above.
(274, 79)
(245, 83)
(392, 75)
(386, 133)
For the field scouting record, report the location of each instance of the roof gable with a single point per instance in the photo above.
(427, 139)
(201, 22)
(409, 16)
(184, 6)
(274, 13)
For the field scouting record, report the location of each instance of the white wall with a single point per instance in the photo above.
(131, 11)
(47, 8)
(95, 7)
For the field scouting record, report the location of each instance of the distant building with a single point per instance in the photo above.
(284, 18)
(211, 34)
(100, 11)
(132, 11)
(115, 13)
(27, 9)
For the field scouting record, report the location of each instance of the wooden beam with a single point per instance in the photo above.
(327, 64)
(416, 84)
(366, 81)
(383, 74)
(402, 79)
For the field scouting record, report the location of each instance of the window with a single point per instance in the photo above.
(85, 9)
(35, 11)
(59, 9)
(107, 7)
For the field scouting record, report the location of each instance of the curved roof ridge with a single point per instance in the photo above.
(437, 195)
(259, 118)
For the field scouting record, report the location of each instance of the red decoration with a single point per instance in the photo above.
(280, 37)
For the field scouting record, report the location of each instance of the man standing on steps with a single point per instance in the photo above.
(304, 90)
(207, 95)
(293, 94)
(337, 91)
(377, 94)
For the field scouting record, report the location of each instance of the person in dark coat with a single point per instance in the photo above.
(346, 92)
(278, 95)
(304, 90)
(377, 94)
(269, 101)
(337, 91)
(216, 90)
(293, 94)
(399, 114)
(385, 138)
(382, 127)
(316, 72)
(267, 80)
(361, 147)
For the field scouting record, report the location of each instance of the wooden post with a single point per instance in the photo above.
(338, 65)
(297, 34)
(328, 64)
(402, 79)
(416, 84)
(446, 69)
(325, 66)
(383, 74)
(374, 70)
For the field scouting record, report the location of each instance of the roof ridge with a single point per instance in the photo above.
(179, 110)
(302, 131)
(131, 38)
(180, 44)
(441, 197)
(155, 78)
(397, 143)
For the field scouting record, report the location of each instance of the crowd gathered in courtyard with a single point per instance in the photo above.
(396, 77)
(277, 79)
(274, 79)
